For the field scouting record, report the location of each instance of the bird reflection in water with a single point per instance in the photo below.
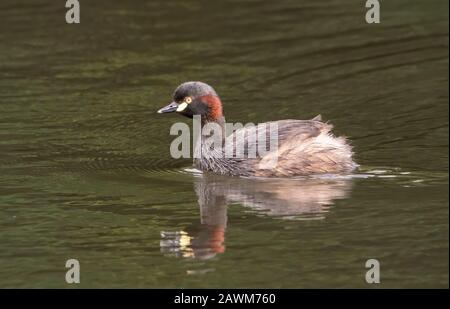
(293, 199)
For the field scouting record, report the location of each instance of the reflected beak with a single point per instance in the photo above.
(172, 107)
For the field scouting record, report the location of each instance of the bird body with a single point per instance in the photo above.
(302, 147)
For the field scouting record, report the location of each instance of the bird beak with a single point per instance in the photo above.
(172, 107)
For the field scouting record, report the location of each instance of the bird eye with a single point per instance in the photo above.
(188, 100)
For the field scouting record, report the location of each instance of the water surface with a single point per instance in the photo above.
(86, 171)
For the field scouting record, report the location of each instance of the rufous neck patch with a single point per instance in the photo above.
(215, 106)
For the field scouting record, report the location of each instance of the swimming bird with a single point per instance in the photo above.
(303, 147)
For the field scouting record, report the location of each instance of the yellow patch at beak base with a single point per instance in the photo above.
(182, 107)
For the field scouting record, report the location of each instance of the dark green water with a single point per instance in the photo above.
(86, 171)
